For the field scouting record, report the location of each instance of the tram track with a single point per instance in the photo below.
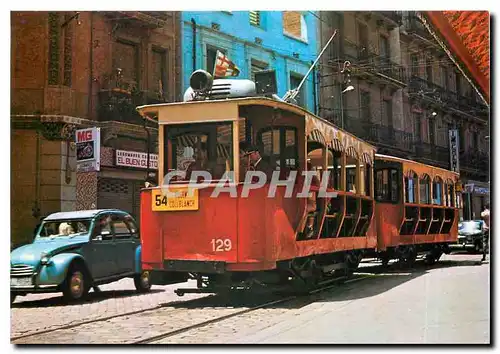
(106, 318)
(175, 316)
(152, 340)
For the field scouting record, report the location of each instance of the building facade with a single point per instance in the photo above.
(254, 40)
(75, 70)
(406, 95)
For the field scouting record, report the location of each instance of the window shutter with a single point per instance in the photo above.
(255, 18)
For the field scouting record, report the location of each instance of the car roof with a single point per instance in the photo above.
(82, 214)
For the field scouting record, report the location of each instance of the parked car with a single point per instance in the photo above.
(74, 251)
(470, 235)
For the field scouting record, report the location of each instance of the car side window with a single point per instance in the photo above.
(132, 226)
(102, 229)
(122, 230)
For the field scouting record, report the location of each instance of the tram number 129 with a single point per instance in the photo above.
(220, 245)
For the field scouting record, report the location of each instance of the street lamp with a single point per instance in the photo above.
(348, 88)
(346, 71)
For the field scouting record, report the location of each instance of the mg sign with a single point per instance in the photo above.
(88, 149)
(454, 159)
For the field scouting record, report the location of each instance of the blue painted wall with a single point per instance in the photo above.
(238, 37)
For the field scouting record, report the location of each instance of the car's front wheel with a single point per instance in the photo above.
(142, 282)
(76, 285)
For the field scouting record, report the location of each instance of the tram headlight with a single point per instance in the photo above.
(201, 80)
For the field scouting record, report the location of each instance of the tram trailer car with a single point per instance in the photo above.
(233, 241)
(416, 209)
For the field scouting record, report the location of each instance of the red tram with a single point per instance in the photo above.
(381, 206)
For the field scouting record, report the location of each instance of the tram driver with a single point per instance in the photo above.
(251, 160)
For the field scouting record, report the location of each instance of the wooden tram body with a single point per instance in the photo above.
(416, 208)
(230, 240)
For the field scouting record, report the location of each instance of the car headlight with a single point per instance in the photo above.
(44, 258)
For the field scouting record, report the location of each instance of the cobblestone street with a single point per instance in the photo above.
(447, 303)
(37, 312)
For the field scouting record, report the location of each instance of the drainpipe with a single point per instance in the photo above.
(194, 43)
(36, 207)
(91, 71)
(314, 89)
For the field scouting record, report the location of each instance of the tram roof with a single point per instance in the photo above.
(419, 167)
(226, 110)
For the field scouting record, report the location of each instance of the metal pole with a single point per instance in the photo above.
(147, 149)
(296, 91)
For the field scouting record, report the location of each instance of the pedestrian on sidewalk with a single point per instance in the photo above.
(485, 215)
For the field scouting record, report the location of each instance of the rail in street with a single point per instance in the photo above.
(162, 321)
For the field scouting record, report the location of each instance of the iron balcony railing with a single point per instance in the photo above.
(396, 16)
(413, 25)
(379, 134)
(437, 94)
(475, 160)
(432, 152)
(365, 61)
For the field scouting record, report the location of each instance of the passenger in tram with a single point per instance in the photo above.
(312, 204)
(201, 160)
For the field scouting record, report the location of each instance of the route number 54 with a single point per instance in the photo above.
(221, 245)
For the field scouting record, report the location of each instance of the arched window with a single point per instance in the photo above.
(334, 167)
(449, 193)
(352, 161)
(425, 189)
(437, 191)
(411, 179)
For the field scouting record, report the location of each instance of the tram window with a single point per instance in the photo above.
(368, 179)
(364, 179)
(448, 194)
(411, 188)
(279, 147)
(334, 168)
(437, 186)
(201, 147)
(394, 186)
(381, 185)
(387, 186)
(425, 189)
(350, 174)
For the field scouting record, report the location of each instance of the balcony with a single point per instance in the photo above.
(436, 94)
(475, 161)
(438, 155)
(118, 99)
(414, 26)
(371, 66)
(150, 19)
(396, 17)
(380, 135)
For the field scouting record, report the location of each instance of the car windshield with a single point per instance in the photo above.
(61, 228)
(470, 226)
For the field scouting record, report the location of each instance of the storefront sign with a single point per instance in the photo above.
(454, 158)
(88, 149)
(136, 159)
(481, 190)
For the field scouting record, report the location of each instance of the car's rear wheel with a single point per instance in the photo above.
(76, 285)
(142, 282)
